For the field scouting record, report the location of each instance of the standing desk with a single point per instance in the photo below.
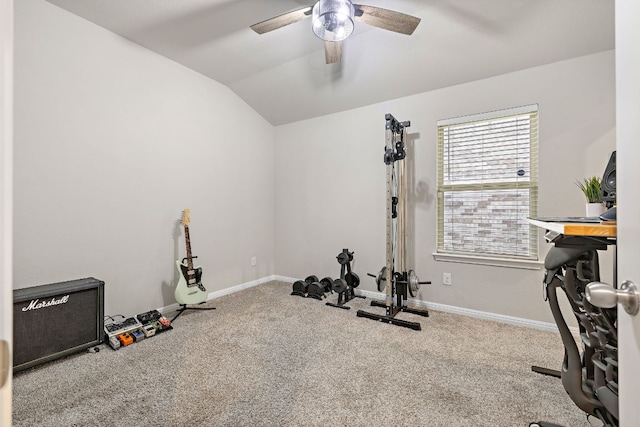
(597, 231)
(576, 234)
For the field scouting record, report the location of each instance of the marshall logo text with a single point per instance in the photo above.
(34, 304)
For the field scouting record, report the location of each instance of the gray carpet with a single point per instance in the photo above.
(265, 358)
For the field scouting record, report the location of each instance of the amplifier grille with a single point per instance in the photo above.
(52, 321)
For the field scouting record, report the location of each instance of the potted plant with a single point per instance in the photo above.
(591, 187)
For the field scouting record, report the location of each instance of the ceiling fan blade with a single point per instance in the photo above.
(281, 20)
(332, 52)
(386, 19)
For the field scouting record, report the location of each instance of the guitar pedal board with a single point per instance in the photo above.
(135, 329)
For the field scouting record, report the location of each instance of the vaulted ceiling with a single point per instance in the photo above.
(283, 76)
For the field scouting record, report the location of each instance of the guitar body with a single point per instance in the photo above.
(189, 289)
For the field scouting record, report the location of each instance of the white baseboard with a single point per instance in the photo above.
(217, 294)
(285, 279)
(518, 321)
(456, 310)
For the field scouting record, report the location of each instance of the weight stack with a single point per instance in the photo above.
(55, 320)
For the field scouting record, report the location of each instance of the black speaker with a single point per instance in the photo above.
(55, 320)
(609, 182)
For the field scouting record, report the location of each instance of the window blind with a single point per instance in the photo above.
(488, 184)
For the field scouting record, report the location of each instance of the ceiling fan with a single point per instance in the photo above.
(333, 21)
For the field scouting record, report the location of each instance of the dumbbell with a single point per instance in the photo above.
(315, 289)
(327, 284)
(322, 287)
(302, 287)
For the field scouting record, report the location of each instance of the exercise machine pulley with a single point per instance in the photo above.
(394, 277)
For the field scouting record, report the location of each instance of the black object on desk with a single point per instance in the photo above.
(609, 215)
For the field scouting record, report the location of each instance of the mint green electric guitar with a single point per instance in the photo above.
(189, 289)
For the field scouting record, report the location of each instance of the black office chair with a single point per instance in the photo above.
(589, 374)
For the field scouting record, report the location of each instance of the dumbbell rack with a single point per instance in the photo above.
(394, 276)
(348, 280)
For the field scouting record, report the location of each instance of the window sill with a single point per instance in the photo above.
(494, 262)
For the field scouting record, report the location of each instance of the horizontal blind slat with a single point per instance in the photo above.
(487, 185)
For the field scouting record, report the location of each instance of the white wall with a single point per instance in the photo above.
(112, 141)
(330, 179)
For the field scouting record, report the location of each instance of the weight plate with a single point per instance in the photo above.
(380, 279)
(340, 285)
(352, 279)
(413, 284)
(343, 258)
(311, 279)
(327, 284)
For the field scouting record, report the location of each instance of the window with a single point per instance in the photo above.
(488, 185)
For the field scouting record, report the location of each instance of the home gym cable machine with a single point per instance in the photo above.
(394, 276)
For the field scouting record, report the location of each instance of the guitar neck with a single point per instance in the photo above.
(188, 244)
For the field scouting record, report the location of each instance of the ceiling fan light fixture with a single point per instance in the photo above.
(333, 19)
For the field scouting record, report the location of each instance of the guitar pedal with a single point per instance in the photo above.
(149, 316)
(149, 330)
(125, 339)
(138, 335)
(114, 343)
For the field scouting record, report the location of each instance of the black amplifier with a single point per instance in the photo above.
(55, 320)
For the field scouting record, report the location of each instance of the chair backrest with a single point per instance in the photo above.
(589, 372)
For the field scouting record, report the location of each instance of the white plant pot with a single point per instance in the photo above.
(595, 209)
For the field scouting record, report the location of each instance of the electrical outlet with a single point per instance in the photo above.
(446, 279)
(254, 261)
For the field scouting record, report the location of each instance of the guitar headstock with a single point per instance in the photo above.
(185, 217)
